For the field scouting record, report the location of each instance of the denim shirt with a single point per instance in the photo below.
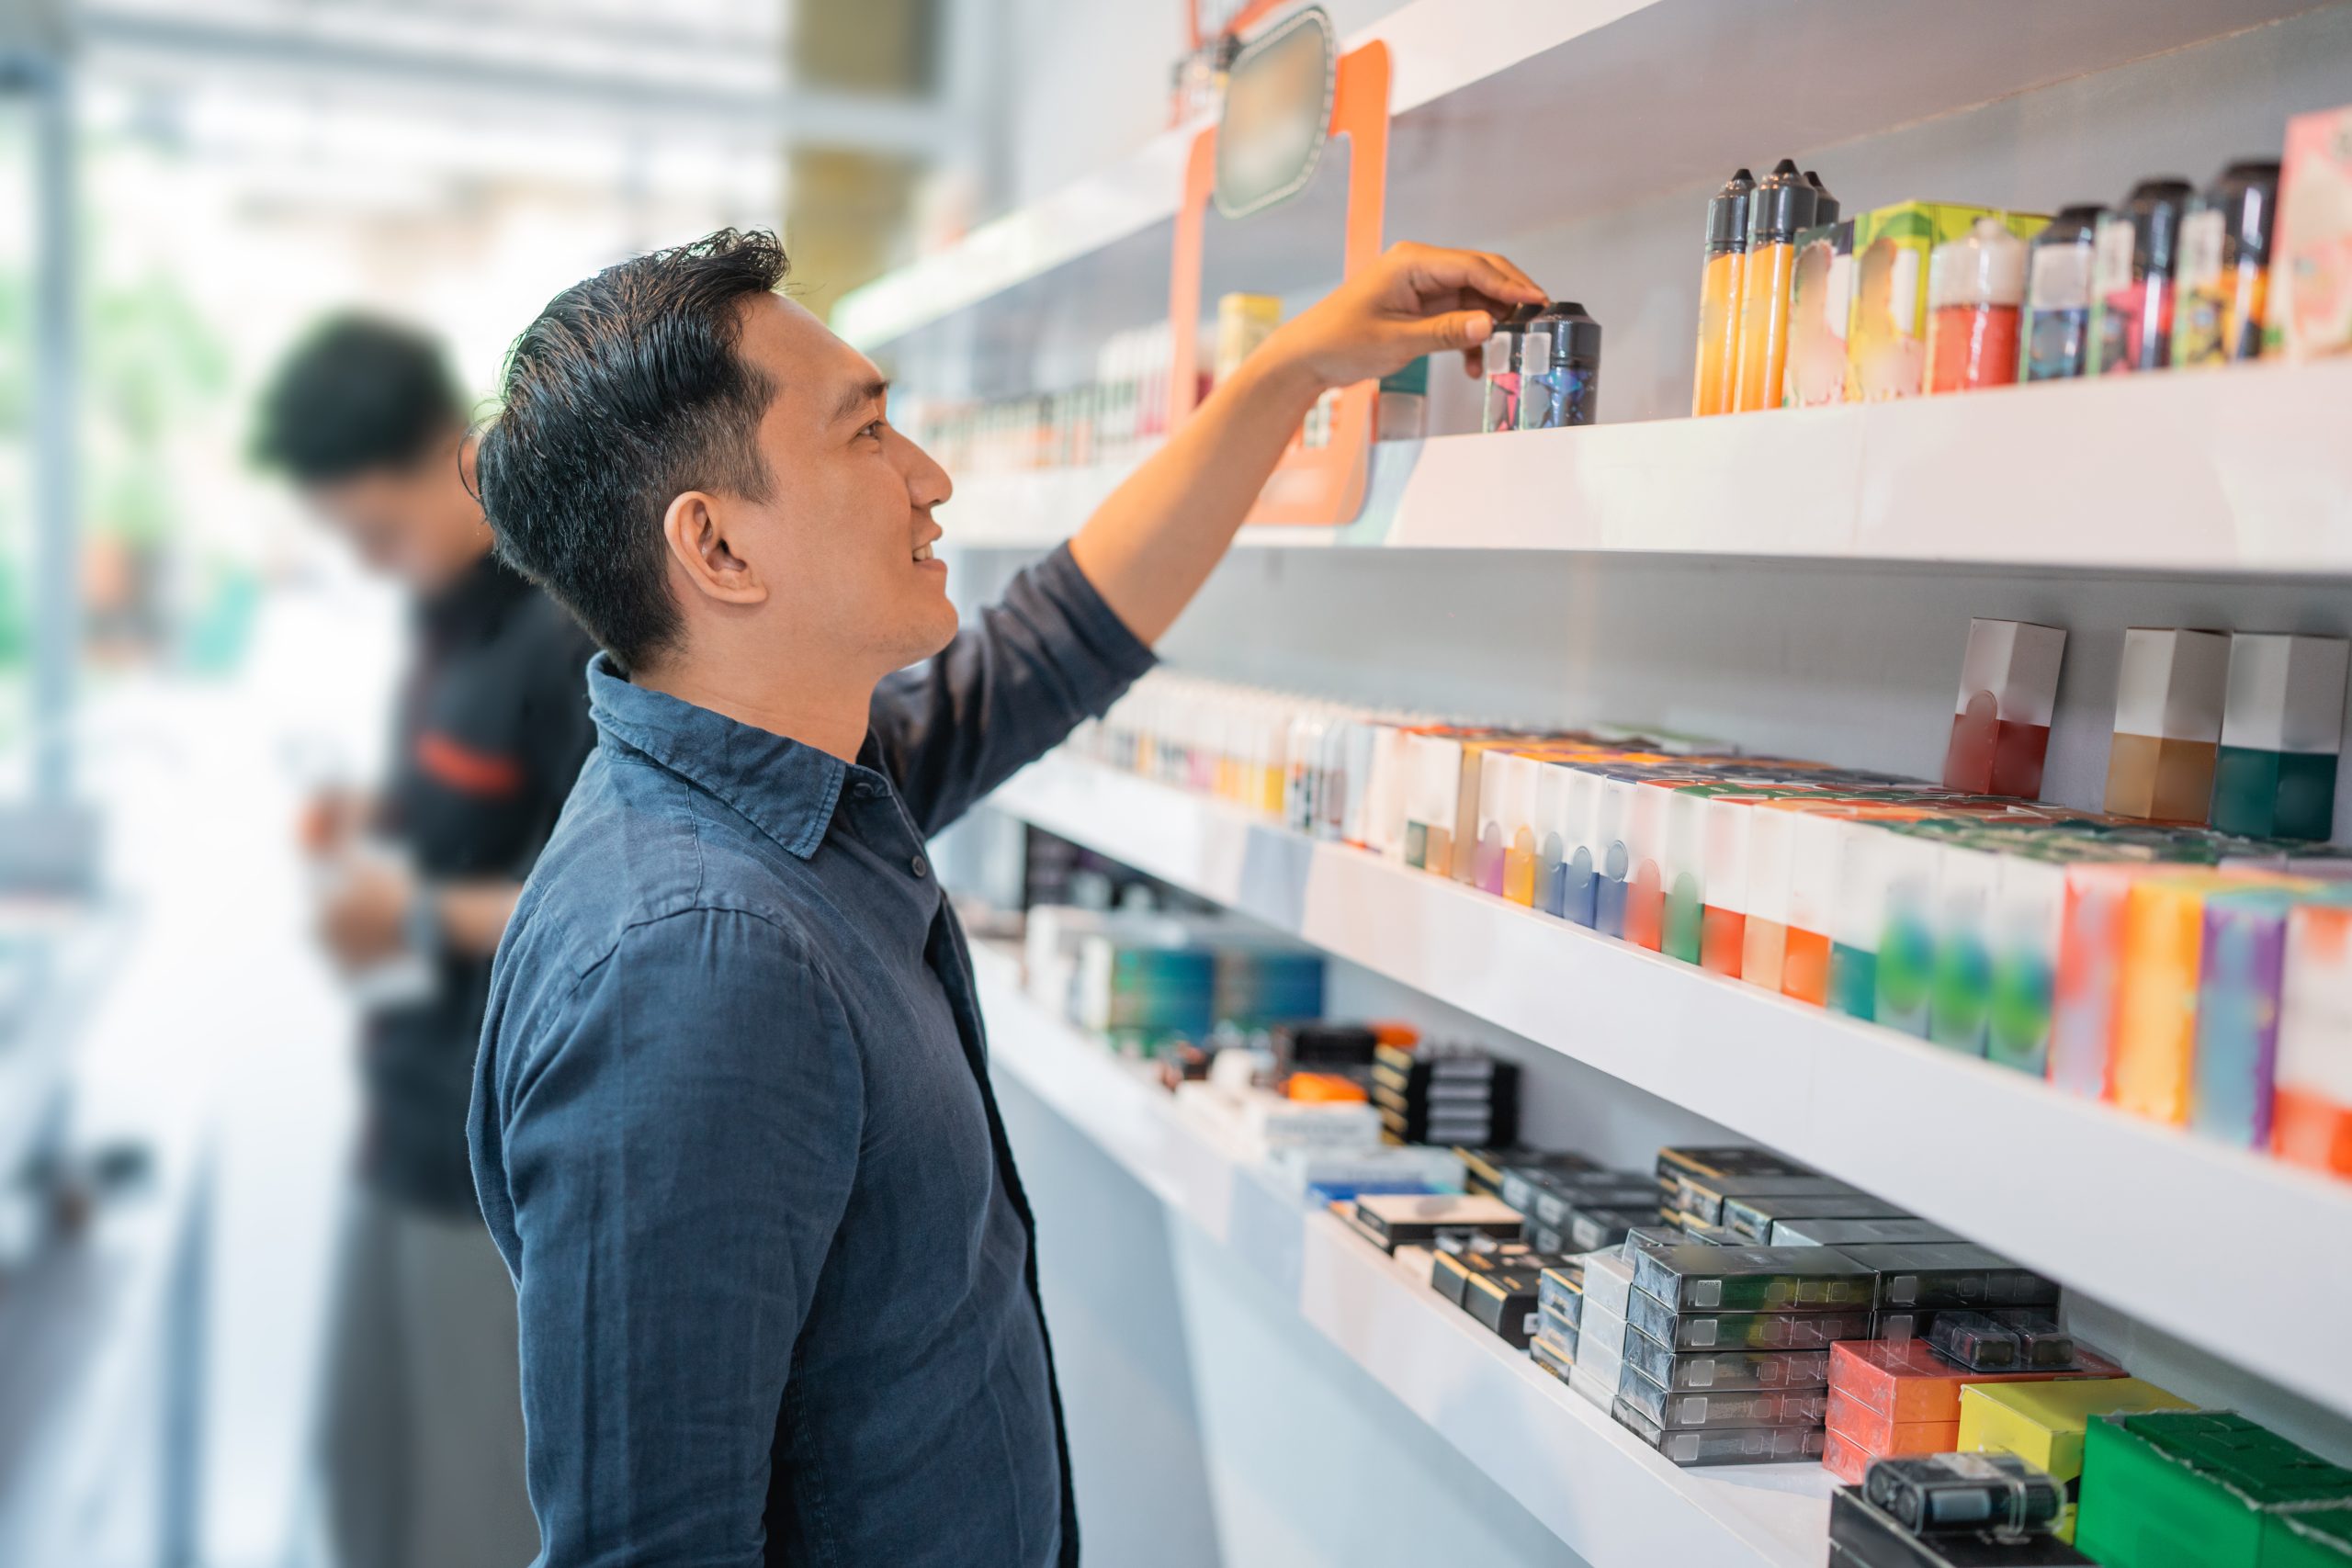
(732, 1131)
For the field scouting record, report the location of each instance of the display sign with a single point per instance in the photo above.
(1277, 114)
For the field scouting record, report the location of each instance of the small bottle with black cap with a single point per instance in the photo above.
(1559, 359)
(1782, 204)
(2131, 282)
(1502, 356)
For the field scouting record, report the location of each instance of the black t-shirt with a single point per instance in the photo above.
(491, 729)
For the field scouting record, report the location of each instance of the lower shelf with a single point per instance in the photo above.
(1613, 1501)
(2079, 1189)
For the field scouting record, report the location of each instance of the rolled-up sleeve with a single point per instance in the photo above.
(678, 1147)
(1046, 656)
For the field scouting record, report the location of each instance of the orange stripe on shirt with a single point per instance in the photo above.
(467, 770)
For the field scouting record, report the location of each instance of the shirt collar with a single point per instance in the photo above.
(786, 789)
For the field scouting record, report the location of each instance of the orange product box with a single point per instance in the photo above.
(2154, 1055)
(1881, 1438)
(1846, 1461)
(2311, 1123)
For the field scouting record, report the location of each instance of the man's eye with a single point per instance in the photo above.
(872, 428)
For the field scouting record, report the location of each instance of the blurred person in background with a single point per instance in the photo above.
(732, 1125)
(423, 1430)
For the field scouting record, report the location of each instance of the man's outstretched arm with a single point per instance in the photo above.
(1148, 548)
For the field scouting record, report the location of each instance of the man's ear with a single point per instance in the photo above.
(695, 527)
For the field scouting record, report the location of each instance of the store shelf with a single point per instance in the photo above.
(1616, 1504)
(1477, 83)
(2241, 471)
(2075, 1188)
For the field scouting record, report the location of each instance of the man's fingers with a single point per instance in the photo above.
(1437, 272)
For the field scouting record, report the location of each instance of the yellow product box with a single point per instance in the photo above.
(1886, 333)
(2042, 1423)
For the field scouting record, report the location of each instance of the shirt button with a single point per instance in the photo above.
(868, 789)
(920, 866)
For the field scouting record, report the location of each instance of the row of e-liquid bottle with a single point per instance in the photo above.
(1752, 226)
(2169, 277)
(1542, 368)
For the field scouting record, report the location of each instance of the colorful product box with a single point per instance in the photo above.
(2310, 306)
(2168, 704)
(2153, 1054)
(2193, 1489)
(1821, 303)
(2311, 1112)
(1723, 922)
(2042, 1423)
(1886, 333)
(2000, 728)
(2281, 731)
(1907, 1381)
(2307, 1537)
(2241, 973)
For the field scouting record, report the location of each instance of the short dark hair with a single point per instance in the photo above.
(627, 391)
(358, 393)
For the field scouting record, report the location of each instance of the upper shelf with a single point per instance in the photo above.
(1508, 113)
(2007, 1159)
(2235, 470)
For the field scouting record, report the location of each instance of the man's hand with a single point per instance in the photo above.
(365, 919)
(1415, 300)
(330, 820)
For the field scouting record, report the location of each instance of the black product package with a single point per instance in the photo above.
(1413, 1219)
(1560, 1290)
(1857, 1233)
(1722, 1445)
(1450, 1271)
(1553, 1356)
(1702, 1197)
(1960, 1274)
(1973, 1340)
(1940, 1494)
(1732, 1371)
(1558, 1200)
(1743, 1330)
(1590, 1230)
(1503, 1299)
(1863, 1536)
(1702, 1277)
(1681, 1410)
(1754, 1214)
(1517, 1181)
(1735, 1160)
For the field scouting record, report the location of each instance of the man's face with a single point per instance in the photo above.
(843, 538)
(414, 522)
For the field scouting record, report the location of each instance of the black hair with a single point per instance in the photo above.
(625, 392)
(358, 394)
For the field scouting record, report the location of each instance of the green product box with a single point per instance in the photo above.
(2308, 1538)
(1886, 335)
(2195, 1489)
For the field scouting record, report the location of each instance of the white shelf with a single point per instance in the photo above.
(2075, 1188)
(1477, 83)
(1616, 1504)
(2236, 470)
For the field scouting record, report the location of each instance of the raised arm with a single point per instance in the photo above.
(1148, 549)
(677, 1151)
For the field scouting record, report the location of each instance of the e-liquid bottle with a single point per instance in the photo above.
(1976, 294)
(1824, 205)
(1502, 370)
(2058, 295)
(2225, 267)
(1559, 367)
(2132, 279)
(1781, 205)
(1715, 382)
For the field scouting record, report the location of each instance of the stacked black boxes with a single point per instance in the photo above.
(1445, 1094)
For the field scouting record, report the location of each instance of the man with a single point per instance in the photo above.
(425, 1444)
(731, 1124)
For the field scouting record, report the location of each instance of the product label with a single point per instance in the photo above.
(2201, 250)
(2062, 278)
(2118, 242)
